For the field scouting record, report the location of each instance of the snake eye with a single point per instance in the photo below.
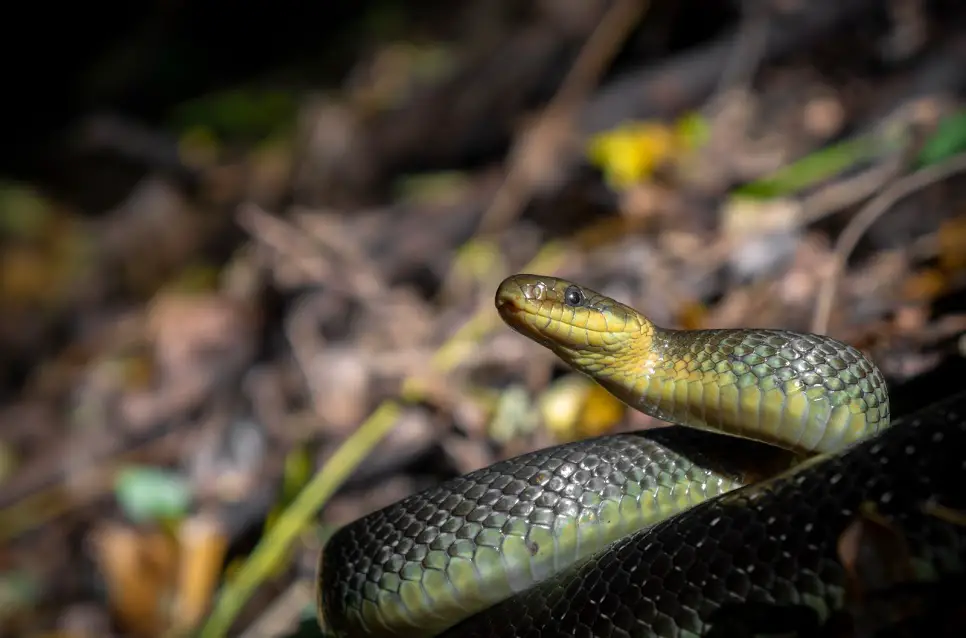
(573, 296)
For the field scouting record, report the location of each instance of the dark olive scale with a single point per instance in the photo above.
(763, 558)
(521, 511)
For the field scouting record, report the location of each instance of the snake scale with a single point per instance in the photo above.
(727, 523)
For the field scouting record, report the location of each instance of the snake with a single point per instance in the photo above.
(728, 516)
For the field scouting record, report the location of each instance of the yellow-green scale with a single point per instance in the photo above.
(397, 572)
(796, 391)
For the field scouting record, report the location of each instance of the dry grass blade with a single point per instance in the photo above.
(536, 155)
(861, 223)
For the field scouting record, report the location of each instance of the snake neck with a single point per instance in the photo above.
(634, 369)
(644, 373)
(768, 385)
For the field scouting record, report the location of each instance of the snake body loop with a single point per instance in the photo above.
(514, 537)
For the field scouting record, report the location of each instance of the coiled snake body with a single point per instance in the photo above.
(591, 538)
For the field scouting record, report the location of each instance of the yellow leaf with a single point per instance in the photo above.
(576, 407)
(476, 259)
(601, 412)
(631, 152)
(952, 244)
(692, 315)
(924, 285)
(199, 147)
(560, 406)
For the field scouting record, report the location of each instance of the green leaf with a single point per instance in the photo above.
(813, 169)
(948, 139)
(694, 129)
(151, 494)
(24, 213)
(19, 590)
(239, 114)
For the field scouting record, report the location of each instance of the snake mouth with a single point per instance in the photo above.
(512, 308)
(511, 312)
(515, 316)
(506, 303)
(511, 300)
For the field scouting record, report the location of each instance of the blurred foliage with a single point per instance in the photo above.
(8, 462)
(238, 115)
(18, 591)
(813, 169)
(952, 244)
(47, 250)
(195, 277)
(438, 188)
(630, 153)
(575, 408)
(296, 474)
(829, 162)
(24, 213)
(948, 139)
(513, 415)
(151, 494)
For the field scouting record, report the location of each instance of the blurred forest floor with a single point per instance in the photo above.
(248, 260)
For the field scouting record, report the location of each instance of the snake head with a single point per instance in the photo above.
(592, 332)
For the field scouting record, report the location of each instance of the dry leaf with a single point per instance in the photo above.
(203, 546)
(139, 569)
(952, 244)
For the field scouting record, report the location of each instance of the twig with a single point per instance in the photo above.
(364, 279)
(599, 49)
(694, 74)
(284, 239)
(748, 52)
(597, 52)
(842, 193)
(535, 156)
(732, 106)
(316, 248)
(307, 343)
(296, 518)
(861, 223)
